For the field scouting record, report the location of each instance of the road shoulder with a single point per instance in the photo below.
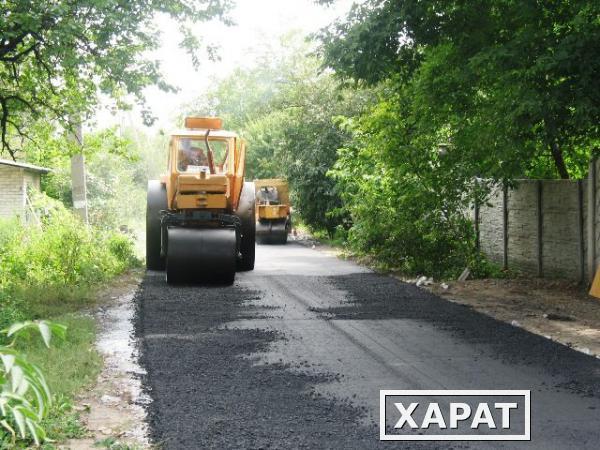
(112, 409)
(558, 310)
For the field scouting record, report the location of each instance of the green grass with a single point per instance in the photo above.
(54, 272)
(69, 364)
(52, 302)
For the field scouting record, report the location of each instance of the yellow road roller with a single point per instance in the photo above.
(200, 217)
(273, 213)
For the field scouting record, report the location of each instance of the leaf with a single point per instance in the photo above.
(46, 332)
(37, 432)
(7, 427)
(8, 361)
(58, 329)
(16, 378)
(17, 328)
(33, 430)
(19, 420)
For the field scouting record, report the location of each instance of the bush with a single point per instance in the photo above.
(407, 201)
(56, 260)
(50, 269)
(61, 251)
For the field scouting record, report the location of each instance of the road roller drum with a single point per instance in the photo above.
(272, 232)
(196, 255)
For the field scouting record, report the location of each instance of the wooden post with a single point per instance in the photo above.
(505, 225)
(591, 220)
(580, 225)
(540, 228)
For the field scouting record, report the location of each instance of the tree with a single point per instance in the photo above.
(514, 83)
(288, 109)
(57, 57)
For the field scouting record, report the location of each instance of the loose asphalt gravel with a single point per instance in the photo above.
(293, 355)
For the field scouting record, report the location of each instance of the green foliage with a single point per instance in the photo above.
(51, 270)
(470, 93)
(62, 423)
(287, 110)
(25, 398)
(118, 166)
(406, 200)
(57, 261)
(70, 363)
(60, 252)
(56, 58)
(512, 83)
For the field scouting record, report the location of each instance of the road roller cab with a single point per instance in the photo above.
(273, 212)
(200, 216)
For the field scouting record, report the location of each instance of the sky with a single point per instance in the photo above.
(257, 24)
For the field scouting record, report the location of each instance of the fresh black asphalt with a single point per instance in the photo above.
(293, 356)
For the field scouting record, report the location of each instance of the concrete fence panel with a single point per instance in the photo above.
(547, 228)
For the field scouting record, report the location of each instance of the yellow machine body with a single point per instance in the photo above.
(273, 212)
(205, 187)
(201, 214)
(270, 212)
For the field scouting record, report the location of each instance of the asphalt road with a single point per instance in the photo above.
(295, 353)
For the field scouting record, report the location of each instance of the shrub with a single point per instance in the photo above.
(407, 201)
(25, 399)
(61, 251)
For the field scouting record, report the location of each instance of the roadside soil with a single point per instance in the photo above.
(556, 309)
(559, 310)
(113, 410)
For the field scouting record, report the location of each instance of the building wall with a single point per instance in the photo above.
(567, 234)
(13, 187)
(11, 191)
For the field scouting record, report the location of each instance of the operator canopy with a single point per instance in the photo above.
(268, 195)
(192, 154)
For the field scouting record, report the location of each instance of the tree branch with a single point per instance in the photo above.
(15, 58)
(12, 44)
(3, 129)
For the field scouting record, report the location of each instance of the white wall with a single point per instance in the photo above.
(13, 187)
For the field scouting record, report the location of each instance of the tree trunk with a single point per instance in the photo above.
(558, 160)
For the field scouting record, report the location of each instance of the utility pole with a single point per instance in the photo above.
(78, 179)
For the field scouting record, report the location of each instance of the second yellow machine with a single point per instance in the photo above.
(200, 218)
(273, 211)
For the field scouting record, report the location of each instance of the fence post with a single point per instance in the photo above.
(591, 219)
(477, 232)
(540, 228)
(505, 225)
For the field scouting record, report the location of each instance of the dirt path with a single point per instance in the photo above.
(113, 410)
(295, 353)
